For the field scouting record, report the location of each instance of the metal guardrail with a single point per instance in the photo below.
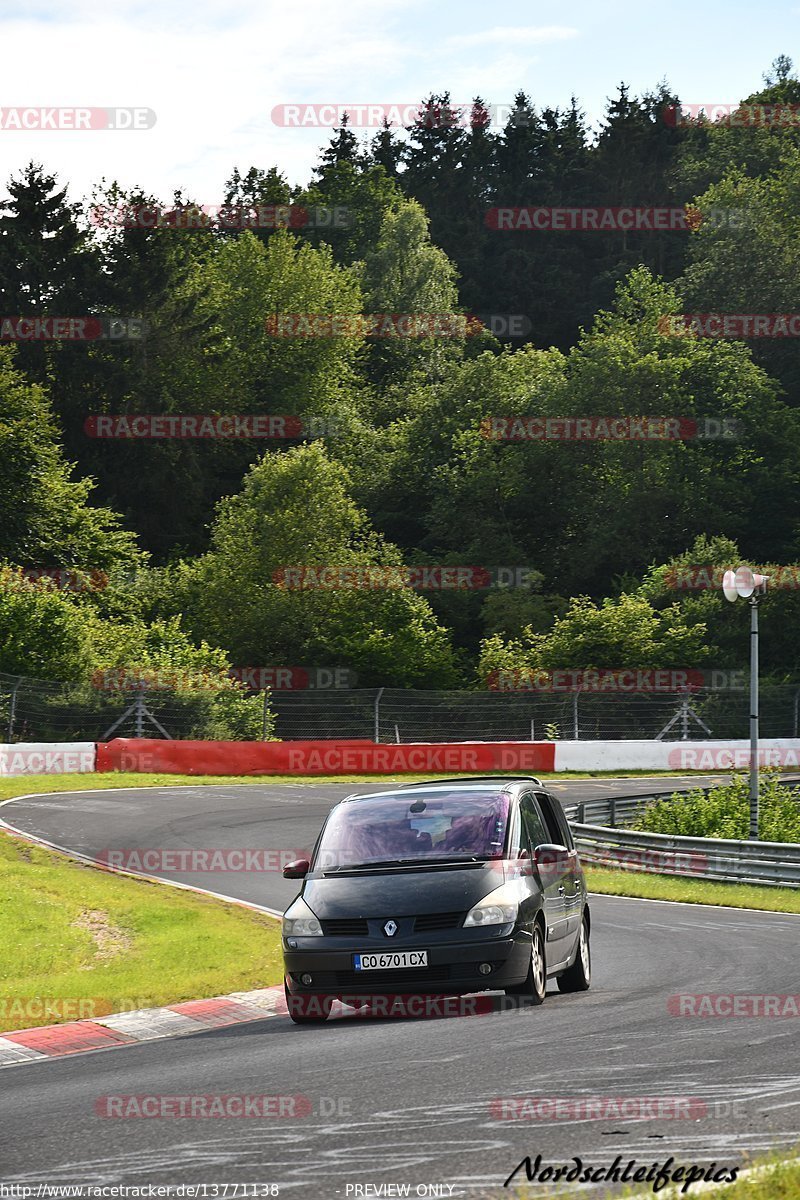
(606, 844)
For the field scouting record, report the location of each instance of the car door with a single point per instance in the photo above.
(572, 882)
(553, 891)
(519, 857)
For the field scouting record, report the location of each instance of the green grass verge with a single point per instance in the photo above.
(20, 785)
(87, 943)
(773, 1180)
(774, 1177)
(692, 891)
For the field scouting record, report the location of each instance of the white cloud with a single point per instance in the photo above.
(514, 36)
(212, 81)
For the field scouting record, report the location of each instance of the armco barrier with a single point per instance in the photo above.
(727, 861)
(46, 758)
(322, 757)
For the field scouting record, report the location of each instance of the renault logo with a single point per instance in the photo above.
(390, 928)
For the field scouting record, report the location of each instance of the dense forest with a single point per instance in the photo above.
(174, 553)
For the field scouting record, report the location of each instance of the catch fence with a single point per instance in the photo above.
(39, 710)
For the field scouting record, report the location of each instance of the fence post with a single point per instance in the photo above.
(13, 708)
(575, 715)
(264, 715)
(139, 714)
(377, 733)
(612, 812)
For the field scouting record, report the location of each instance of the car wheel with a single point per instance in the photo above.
(579, 975)
(534, 986)
(307, 1010)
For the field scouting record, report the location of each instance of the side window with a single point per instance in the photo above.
(556, 821)
(518, 834)
(534, 824)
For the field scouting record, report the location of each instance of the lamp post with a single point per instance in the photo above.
(745, 583)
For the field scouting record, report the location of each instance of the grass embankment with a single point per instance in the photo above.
(692, 891)
(81, 943)
(770, 1178)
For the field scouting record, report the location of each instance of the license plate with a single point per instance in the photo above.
(390, 960)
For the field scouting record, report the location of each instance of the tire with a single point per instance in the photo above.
(534, 986)
(578, 977)
(307, 1010)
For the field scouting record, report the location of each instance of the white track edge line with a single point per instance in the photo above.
(95, 862)
(273, 912)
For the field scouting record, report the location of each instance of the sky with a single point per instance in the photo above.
(212, 73)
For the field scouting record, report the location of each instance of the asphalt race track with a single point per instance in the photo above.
(409, 1102)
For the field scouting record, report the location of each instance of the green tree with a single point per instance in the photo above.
(627, 633)
(747, 260)
(294, 510)
(405, 273)
(47, 520)
(47, 262)
(43, 633)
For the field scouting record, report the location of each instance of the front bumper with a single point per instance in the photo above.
(452, 966)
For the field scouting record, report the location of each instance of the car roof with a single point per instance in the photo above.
(485, 779)
(480, 783)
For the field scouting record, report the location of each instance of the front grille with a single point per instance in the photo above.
(394, 979)
(346, 927)
(434, 921)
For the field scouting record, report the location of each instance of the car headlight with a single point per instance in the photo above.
(499, 907)
(300, 921)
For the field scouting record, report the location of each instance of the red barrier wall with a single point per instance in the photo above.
(321, 757)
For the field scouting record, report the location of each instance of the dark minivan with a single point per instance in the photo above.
(451, 886)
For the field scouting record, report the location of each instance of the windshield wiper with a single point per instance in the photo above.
(417, 861)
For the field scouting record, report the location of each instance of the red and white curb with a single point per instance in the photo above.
(140, 1025)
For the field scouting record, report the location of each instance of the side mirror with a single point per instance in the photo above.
(552, 861)
(524, 862)
(297, 869)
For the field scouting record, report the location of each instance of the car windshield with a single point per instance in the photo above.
(410, 827)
